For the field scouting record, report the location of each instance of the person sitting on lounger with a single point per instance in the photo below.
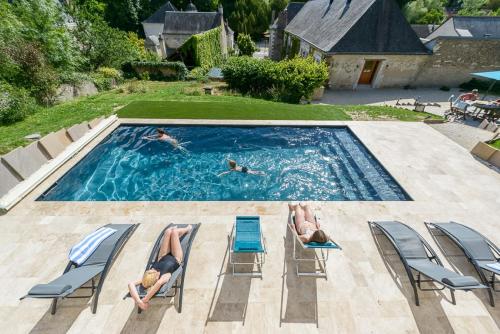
(234, 167)
(306, 225)
(162, 135)
(169, 259)
(470, 97)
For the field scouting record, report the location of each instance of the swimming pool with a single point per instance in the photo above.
(300, 163)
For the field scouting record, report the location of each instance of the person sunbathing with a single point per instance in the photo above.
(169, 259)
(306, 225)
(234, 167)
(470, 97)
(162, 135)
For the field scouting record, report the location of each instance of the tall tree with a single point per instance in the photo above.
(248, 16)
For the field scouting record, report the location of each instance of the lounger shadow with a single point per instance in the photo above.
(176, 282)
(74, 277)
(417, 255)
(478, 249)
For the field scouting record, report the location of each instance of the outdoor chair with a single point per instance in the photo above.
(176, 282)
(480, 251)
(246, 238)
(319, 260)
(458, 108)
(75, 277)
(417, 255)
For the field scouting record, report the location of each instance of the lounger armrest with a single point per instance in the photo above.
(461, 281)
(49, 289)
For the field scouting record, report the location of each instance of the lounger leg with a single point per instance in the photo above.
(94, 303)
(415, 292)
(492, 299)
(53, 306)
(181, 292)
(139, 311)
(453, 297)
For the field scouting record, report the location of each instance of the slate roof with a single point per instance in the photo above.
(423, 30)
(469, 27)
(291, 11)
(357, 26)
(159, 15)
(190, 22)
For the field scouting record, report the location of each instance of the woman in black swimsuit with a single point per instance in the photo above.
(234, 167)
(169, 259)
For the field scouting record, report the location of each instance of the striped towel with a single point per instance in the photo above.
(80, 252)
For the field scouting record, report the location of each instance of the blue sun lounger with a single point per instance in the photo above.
(246, 238)
(319, 260)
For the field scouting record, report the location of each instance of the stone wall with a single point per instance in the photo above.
(68, 92)
(454, 59)
(393, 70)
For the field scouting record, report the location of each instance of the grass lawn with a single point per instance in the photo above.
(153, 104)
(496, 144)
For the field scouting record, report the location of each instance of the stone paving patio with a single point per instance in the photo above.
(365, 292)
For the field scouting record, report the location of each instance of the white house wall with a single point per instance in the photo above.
(152, 29)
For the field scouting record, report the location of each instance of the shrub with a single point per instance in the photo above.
(135, 87)
(15, 104)
(286, 81)
(162, 71)
(109, 72)
(203, 50)
(482, 85)
(245, 45)
(198, 74)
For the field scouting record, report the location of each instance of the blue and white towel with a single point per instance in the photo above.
(80, 252)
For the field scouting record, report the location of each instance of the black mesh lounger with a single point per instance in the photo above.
(478, 249)
(176, 281)
(416, 254)
(74, 277)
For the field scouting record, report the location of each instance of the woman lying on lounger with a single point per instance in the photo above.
(306, 225)
(169, 259)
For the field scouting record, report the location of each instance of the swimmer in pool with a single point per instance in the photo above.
(234, 167)
(162, 135)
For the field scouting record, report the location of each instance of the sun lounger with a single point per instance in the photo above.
(246, 238)
(417, 255)
(483, 254)
(319, 260)
(176, 282)
(75, 277)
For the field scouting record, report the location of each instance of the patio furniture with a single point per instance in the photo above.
(176, 282)
(480, 251)
(246, 238)
(417, 255)
(319, 260)
(486, 110)
(458, 108)
(75, 277)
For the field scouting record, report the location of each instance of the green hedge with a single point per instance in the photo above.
(203, 50)
(162, 71)
(286, 81)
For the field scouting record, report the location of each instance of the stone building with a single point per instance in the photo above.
(370, 43)
(276, 30)
(167, 29)
(460, 46)
(364, 42)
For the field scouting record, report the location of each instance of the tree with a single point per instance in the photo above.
(247, 16)
(473, 7)
(245, 45)
(278, 5)
(424, 11)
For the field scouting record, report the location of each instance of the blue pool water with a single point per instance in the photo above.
(300, 163)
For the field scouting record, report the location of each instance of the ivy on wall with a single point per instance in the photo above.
(295, 47)
(203, 50)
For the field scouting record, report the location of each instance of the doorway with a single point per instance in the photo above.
(368, 72)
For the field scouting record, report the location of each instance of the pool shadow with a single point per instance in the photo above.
(232, 293)
(429, 316)
(301, 302)
(459, 262)
(147, 321)
(66, 314)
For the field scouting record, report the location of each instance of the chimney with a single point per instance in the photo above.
(220, 9)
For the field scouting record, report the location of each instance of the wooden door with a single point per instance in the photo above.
(368, 72)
